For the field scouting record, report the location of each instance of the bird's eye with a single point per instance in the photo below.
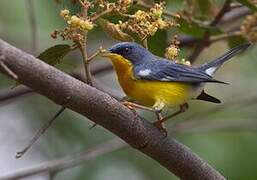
(126, 50)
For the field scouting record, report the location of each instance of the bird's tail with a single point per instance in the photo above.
(211, 67)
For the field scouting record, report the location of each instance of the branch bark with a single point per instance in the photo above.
(107, 112)
(11, 94)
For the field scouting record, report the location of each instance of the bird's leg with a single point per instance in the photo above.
(125, 101)
(183, 108)
(132, 106)
(160, 126)
(158, 106)
(161, 121)
(126, 98)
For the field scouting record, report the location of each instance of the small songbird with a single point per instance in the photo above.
(156, 83)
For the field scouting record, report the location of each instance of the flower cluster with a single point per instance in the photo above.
(248, 27)
(146, 24)
(172, 52)
(118, 7)
(122, 6)
(76, 21)
(183, 61)
(75, 29)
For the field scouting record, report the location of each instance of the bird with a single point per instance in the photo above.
(155, 83)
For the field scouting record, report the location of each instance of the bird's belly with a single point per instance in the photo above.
(149, 92)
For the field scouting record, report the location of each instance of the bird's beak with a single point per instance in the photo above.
(106, 54)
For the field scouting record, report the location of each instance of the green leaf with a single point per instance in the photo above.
(115, 32)
(235, 41)
(52, 56)
(158, 43)
(55, 54)
(248, 4)
(196, 30)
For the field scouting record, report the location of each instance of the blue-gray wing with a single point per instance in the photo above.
(165, 70)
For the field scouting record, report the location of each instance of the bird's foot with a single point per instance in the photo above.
(128, 105)
(161, 126)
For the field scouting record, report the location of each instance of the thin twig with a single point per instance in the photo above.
(81, 3)
(230, 16)
(219, 37)
(188, 41)
(68, 161)
(83, 46)
(90, 58)
(145, 44)
(148, 6)
(8, 70)
(14, 93)
(83, 50)
(245, 102)
(205, 39)
(96, 17)
(33, 26)
(40, 132)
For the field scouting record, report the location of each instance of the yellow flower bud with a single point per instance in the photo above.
(152, 29)
(140, 15)
(74, 21)
(178, 16)
(157, 13)
(161, 23)
(188, 63)
(86, 25)
(64, 12)
(171, 52)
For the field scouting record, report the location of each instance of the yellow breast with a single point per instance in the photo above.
(149, 92)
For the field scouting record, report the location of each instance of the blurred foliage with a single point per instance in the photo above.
(249, 4)
(232, 153)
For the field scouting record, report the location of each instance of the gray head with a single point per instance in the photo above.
(134, 52)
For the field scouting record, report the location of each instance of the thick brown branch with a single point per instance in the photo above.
(11, 94)
(107, 112)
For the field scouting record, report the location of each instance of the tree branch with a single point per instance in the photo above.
(107, 112)
(11, 94)
(57, 165)
(204, 42)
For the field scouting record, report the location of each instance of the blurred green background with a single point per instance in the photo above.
(232, 151)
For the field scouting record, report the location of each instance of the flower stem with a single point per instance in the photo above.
(83, 50)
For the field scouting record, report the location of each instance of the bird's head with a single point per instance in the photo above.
(130, 51)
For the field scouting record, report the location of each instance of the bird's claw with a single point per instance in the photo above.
(161, 127)
(130, 108)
